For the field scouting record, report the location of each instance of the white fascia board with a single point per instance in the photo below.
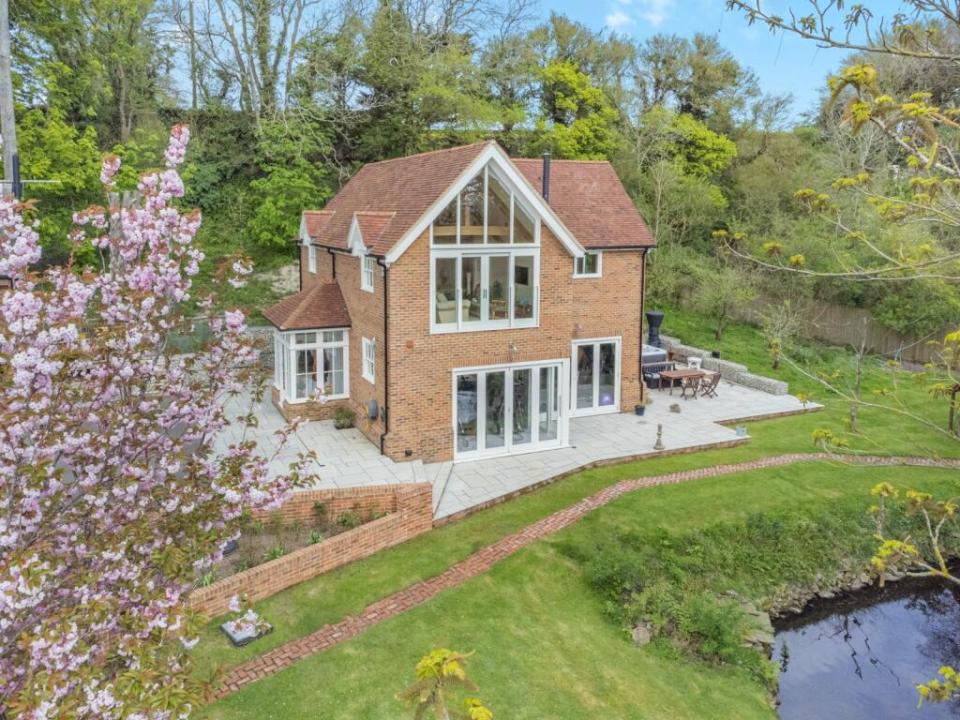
(305, 238)
(355, 242)
(492, 153)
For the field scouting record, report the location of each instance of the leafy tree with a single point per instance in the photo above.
(294, 181)
(115, 495)
(720, 294)
(439, 675)
(578, 120)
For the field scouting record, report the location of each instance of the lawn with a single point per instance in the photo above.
(545, 648)
(563, 646)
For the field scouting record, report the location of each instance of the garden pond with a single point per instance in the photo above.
(859, 656)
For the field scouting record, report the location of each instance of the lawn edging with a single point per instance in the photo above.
(409, 512)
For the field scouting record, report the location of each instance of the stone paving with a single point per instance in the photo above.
(481, 561)
(346, 458)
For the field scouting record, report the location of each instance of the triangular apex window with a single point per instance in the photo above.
(487, 212)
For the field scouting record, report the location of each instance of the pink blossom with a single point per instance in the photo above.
(107, 461)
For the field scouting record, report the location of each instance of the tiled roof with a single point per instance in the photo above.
(405, 186)
(320, 306)
(373, 225)
(592, 202)
(389, 197)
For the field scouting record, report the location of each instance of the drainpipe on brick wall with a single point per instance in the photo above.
(643, 297)
(333, 263)
(300, 262)
(386, 353)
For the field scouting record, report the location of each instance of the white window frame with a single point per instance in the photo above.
(286, 348)
(580, 262)
(312, 258)
(367, 270)
(563, 421)
(486, 250)
(596, 408)
(369, 360)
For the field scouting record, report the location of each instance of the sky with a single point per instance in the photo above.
(782, 63)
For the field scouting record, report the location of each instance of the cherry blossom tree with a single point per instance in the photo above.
(113, 493)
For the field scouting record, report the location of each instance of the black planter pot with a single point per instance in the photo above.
(639, 409)
(654, 320)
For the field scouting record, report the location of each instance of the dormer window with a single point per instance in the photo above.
(485, 259)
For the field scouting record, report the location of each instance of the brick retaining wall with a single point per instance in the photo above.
(410, 513)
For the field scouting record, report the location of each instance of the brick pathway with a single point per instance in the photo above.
(482, 560)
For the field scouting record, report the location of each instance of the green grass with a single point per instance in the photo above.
(538, 628)
(545, 648)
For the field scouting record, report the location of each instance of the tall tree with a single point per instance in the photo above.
(8, 123)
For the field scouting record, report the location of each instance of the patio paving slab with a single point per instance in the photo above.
(345, 458)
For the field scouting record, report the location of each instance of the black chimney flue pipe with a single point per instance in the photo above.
(546, 176)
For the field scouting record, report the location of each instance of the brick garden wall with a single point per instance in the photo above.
(410, 514)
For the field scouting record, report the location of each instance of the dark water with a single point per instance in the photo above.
(858, 658)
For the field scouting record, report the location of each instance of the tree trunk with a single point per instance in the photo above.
(8, 124)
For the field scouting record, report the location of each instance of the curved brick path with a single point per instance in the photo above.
(482, 560)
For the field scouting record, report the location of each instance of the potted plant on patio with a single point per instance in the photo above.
(641, 407)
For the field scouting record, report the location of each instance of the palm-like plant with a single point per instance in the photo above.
(440, 674)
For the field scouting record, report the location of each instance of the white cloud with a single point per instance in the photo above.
(616, 20)
(655, 11)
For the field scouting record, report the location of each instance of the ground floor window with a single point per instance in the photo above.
(509, 409)
(309, 361)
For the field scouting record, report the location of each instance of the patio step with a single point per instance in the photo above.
(440, 484)
(419, 472)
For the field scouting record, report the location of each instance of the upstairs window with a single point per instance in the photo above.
(312, 259)
(366, 273)
(485, 212)
(588, 266)
(485, 261)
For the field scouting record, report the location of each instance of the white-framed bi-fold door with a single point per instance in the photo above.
(509, 409)
(595, 376)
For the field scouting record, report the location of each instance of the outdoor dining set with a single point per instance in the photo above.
(692, 379)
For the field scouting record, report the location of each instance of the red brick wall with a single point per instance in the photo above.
(413, 516)
(421, 364)
(299, 507)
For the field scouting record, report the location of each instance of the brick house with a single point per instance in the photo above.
(465, 304)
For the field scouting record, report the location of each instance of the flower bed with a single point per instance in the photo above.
(394, 513)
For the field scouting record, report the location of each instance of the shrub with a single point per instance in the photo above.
(350, 520)
(315, 537)
(273, 553)
(344, 418)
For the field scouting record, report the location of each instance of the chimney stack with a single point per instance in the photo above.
(546, 176)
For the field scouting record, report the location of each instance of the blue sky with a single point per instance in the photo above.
(782, 63)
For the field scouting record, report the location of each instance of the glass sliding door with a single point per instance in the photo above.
(548, 403)
(596, 377)
(585, 376)
(607, 374)
(522, 400)
(495, 410)
(511, 409)
(466, 410)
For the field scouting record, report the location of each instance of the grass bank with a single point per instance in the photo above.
(545, 640)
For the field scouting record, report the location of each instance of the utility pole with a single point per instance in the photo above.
(8, 125)
(193, 61)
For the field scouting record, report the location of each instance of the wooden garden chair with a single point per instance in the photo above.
(708, 384)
